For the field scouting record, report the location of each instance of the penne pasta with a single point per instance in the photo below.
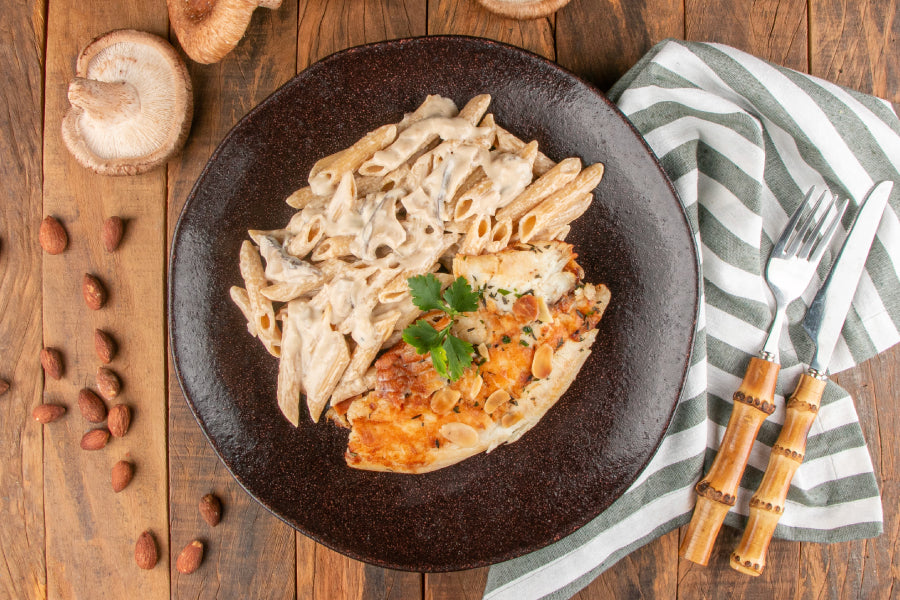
(300, 198)
(546, 184)
(507, 142)
(362, 357)
(323, 180)
(260, 307)
(477, 236)
(290, 384)
(475, 108)
(285, 291)
(546, 217)
(500, 236)
(433, 106)
(239, 297)
(333, 247)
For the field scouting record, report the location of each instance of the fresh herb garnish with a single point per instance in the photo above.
(505, 339)
(449, 354)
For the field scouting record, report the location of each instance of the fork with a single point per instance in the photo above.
(789, 270)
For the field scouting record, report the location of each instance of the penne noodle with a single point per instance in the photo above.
(362, 357)
(507, 142)
(300, 198)
(289, 367)
(368, 185)
(283, 291)
(344, 197)
(261, 307)
(333, 247)
(278, 234)
(500, 236)
(476, 201)
(433, 106)
(323, 180)
(548, 217)
(560, 233)
(548, 183)
(477, 236)
(475, 108)
(239, 297)
(324, 357)
(307, 237)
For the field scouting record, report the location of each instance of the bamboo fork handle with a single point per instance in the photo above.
(753, 402)
(767, 505)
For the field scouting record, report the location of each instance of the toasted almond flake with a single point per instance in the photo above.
(484, 352)
(510, 419)
(544, 315)
(476, 386)
(444, 400)
(460, 434)
(542, 364)
(495, 400)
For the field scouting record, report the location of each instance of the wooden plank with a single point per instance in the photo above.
(461, 585)
(325, 27)
(770, 29)
(22, 570)
(885, 383)
(648, 572)
(467, 17)
(90, 530)
(853, 44)
(250, 554)
(601, 44)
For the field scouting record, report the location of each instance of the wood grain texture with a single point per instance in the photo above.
(648, 572)
(250, 554)
(22, 568)
(462, 585)
(466, 17)
(775, 30)
(854, 44)
(601, 40)
(91, 530)
(325, 27)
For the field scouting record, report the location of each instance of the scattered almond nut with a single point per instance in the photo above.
(111, 234)
(52, 362)
(119, 420)
(4, 386)
(92, 407)
(493, 401)
(47, 413)
(460, 434)
(93, 291)
(211, 509)
(542, 364)
(444, 400)
(511, 418)
(122, 472)
(52, 236)
(105, 346)
(145, 553)
(190, 558)
(95, 439)
(108, 383)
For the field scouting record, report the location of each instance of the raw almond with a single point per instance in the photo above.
(92, 407)
(4, 386)
(108, 383)
(93, 291)
(190, 558)
(95, 439)
(145, 553)
(51, 360)
(111, 234)
(105, 346)
(47, 413)
(52, 236)
(211, 509)
(122, 472)
(119, 419)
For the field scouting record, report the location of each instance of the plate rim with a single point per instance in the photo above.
(282, 89)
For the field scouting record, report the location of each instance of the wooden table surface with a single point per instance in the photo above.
(65, 534)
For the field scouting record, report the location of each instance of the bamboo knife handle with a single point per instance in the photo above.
(753, 402)
(767, 505)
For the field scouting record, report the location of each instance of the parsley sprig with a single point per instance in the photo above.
(449, 354)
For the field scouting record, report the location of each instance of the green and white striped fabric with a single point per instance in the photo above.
(743, 140)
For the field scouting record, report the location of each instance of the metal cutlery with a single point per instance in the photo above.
(791, 264)
(823, 322)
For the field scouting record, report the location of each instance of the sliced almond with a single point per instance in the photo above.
(542, 364)
(544, 315)
(444, 400)
(460, 434)
(484, 352)
(495, 400)
(511, 418)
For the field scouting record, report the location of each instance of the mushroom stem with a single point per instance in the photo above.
(269, 3)
(104, 100)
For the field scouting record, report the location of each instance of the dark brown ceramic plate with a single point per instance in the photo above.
(586, 450)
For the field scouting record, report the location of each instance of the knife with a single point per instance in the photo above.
(823, 323)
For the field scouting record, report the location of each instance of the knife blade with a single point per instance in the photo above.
(826, 315)
(823, 322)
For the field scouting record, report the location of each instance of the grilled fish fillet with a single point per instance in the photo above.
(533, 332)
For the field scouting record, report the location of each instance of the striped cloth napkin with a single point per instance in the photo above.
(743, 140)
